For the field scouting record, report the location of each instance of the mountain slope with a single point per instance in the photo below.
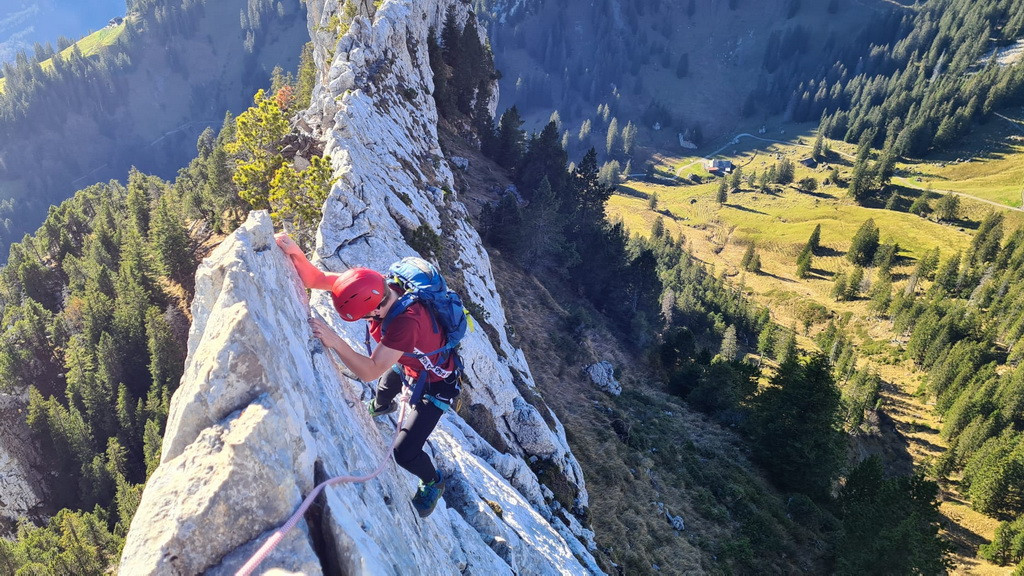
(142, 103)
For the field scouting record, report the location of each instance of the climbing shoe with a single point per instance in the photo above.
(376, 411)
(427, 496)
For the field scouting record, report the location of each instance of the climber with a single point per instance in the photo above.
(361, 293)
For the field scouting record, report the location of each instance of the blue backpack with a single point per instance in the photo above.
(422, 283)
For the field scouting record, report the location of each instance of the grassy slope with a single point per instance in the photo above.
(987, 163)
(89, 45)
(780, 224)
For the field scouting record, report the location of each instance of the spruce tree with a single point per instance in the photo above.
(948, 207)
(510, 139)
(803, 263)
(613, 135)
(736, 179)
(748, 257)
(839, 286)
(795, 427)
(864, 244)
(729, 348)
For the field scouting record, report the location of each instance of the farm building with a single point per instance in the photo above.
(718, 166)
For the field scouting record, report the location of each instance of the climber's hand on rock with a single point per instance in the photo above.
(329, 337)
(287, 245)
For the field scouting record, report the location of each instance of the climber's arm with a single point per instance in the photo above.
(365, 368)
(311, 276)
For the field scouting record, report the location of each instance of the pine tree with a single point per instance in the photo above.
(298, 197)
(766, 339)
(584, 130)
(945, 278)
(658, 228)
(860, 182)
(881, 293)
(470, 67)
(259, 130)
(544, 158)
(723, 191)
(814, 241)
(443, 95)
(307, 77)
(920, 206)
(784, 171)
(853, 283)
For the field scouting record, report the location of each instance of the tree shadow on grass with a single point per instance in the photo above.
(820, 274)
(745, 209)
(816, 194)
(770, 275)
(825, 252)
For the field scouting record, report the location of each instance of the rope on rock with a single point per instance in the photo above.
(281, 532)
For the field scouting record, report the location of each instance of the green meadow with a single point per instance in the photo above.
(91, 44)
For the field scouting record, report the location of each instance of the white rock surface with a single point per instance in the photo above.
(261, 405)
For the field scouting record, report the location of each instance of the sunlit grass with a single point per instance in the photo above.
(783, 221)
(987, 163)
(91, 44)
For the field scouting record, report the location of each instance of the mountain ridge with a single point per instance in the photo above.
(248, 304)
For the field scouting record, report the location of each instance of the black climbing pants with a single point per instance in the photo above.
(419, 422)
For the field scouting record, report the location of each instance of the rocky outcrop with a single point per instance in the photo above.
(602, 374)
(21, 486)
(263, 413)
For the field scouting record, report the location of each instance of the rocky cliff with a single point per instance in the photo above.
(263, 413)
(22, 491)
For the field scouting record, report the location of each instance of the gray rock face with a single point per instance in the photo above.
(602, 374)
(262, 405)
(263, 410)
(20, 484)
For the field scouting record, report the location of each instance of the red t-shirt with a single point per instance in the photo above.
(413, 331)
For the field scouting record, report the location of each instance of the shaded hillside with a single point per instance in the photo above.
(175, 70)
(694, 65)
(929, 75)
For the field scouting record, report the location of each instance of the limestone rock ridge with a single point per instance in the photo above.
(263, 413)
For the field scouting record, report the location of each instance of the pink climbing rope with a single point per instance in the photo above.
(285, 528)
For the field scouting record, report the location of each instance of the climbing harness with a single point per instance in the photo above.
(285, 528)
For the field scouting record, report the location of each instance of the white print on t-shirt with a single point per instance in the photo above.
(430, 366)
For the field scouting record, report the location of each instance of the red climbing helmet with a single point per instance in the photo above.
(357, 292)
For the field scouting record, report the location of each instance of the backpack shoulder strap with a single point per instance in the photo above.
(401, 305)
